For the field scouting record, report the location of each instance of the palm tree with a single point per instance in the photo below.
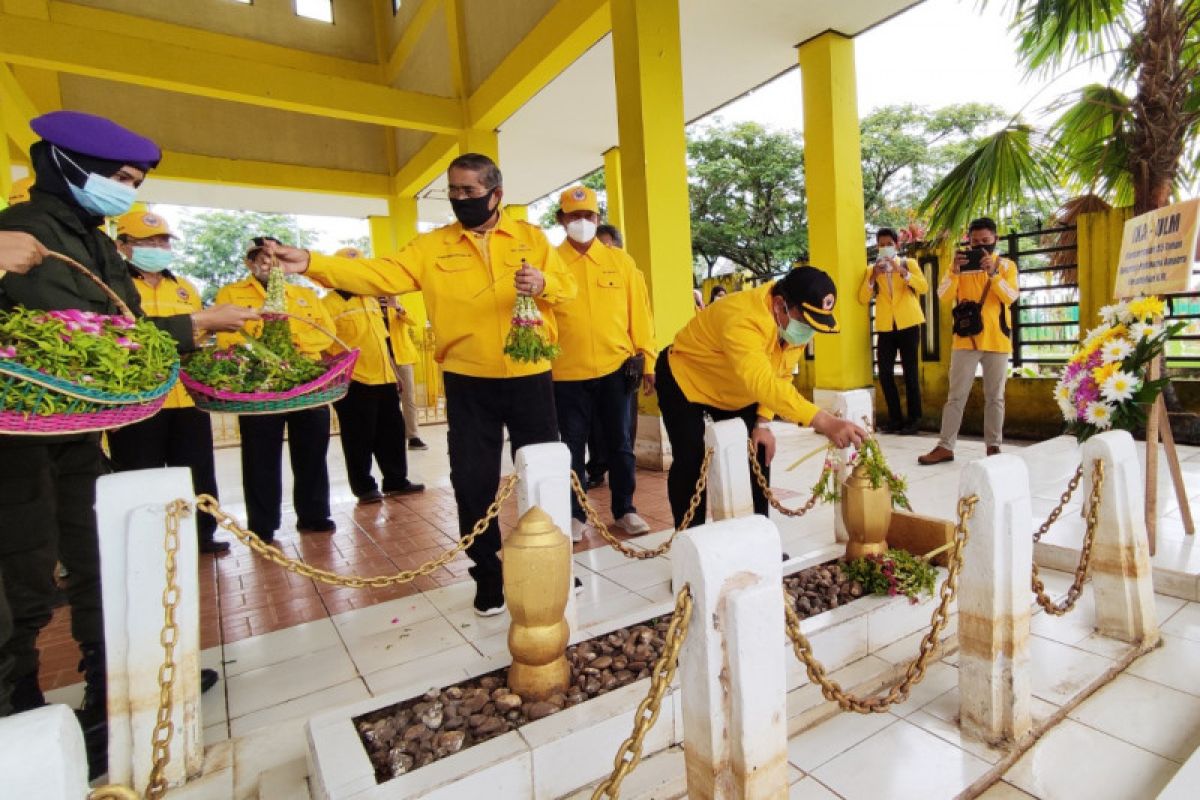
(1125, 149)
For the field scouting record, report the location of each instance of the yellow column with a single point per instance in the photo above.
(518, 212)
(383, 235)
(479, 141)
(833, 178)
(1098, 249)
(612, 188)
(649, 76)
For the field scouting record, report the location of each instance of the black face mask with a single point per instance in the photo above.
(473, 211)
(987, 248)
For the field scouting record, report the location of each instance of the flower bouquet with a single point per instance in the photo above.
(266, 374)
(73, 371)
(894, 573)
(527, 339)
(1104, 383)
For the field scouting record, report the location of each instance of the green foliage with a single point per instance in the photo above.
(897, 572)
(253, 366)
(747, 195)
(105, 353)
(213, 244)
(526, 340)
(361, 243)
(828, 488)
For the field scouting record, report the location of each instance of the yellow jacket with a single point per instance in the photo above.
(997, 317)
(467, 281)
(173, 295)
(609, 320)
(301, 302)
(897, 305)
(729, 356)
(358, 322)
(402, 328)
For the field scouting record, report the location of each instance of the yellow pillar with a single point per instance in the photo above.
(649, 77)
(612, 188)
(836, 228)
(473, 140)
(518, 212)
(1098, 249)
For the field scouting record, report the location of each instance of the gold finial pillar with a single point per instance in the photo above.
(867, 512)
(537, 573)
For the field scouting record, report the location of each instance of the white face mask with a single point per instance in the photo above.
(581, 230)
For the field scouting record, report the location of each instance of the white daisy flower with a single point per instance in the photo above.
(1094, 334)
(1119, 386)
(1100, 415)
(1067, 409)
(1115, 350)
(1144, 330)
(1115, 313)
(1062, 392)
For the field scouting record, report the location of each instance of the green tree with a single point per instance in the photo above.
(213, 243)
(360, 243)
(907, 148)
(1130, 141)
(747, 196)
(594, 181)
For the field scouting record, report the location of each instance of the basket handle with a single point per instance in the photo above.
(91, 276)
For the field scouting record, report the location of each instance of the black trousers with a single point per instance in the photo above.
(597, 458)
(174, 437)
(477, 412)
(684, 421)
(583, 404)
(372, 424)
(47, 513)
(904, 342)
(262, 464)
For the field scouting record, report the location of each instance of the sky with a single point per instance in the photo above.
(973, 61)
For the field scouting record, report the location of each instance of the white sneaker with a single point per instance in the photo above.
(633, 524)
(578, 529)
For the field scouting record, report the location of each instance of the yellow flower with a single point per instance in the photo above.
(1101, 374)
(1147, 307)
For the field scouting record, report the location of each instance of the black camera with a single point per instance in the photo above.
(974, 260)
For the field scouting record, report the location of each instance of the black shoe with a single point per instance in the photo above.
(785, 556)
(890, 427)
(595, 481)
(408, 488)
(911, 429)
(489, 593)
(578, 585)
(370, 498)
(208, 679)
(415, 443)
(213, 547)
(27, 694)
(320, 526)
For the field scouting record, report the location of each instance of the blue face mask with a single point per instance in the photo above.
(100, 195)
(151, 259)
(797, 333)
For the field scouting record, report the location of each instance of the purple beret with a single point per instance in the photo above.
(96, 136)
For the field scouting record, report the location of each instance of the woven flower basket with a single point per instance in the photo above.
(87, 409)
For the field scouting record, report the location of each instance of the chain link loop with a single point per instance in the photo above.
(629, 754)
(1085, 554)
(915, 672)
(593, 516)
(270, 552)
(1062, 503)
(760, 477)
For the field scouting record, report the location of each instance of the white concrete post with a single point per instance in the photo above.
(854, 405)
(42, 755)
(131, 518)
(1121, 573)
(994, 678)
(729, 478)
(732, 671)
(544, 472)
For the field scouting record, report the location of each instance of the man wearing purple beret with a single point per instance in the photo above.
(86, 168)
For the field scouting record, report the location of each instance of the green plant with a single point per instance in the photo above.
(894, 573)
(828, 488)
(526, 338)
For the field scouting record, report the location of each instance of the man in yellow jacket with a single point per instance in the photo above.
(896, 283)
(369, 416)
(470, 273)
(735, 359)
(607, 339)
(401, 330)
(307, 430)
(180, 435)
(981, 276)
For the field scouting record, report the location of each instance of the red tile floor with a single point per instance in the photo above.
(242, 595)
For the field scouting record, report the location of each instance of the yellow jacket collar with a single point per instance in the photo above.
(506, 224)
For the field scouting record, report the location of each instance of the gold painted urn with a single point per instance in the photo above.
(867, 514)
(537, 578)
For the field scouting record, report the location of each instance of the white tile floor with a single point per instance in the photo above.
(1125, 741)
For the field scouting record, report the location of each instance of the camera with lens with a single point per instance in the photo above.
(974, 258)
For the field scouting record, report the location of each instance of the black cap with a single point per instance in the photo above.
(813, 292)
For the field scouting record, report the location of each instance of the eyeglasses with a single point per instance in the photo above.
(466, 192)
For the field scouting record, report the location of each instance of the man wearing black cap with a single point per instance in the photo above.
(86, 168)
(736, 359)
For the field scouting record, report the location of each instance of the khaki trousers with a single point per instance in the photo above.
(408, 399)
(962, 376)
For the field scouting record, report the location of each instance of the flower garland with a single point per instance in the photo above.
(1103, 385)
(527, 340)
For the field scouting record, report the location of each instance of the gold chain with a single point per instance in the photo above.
(629, 754)
(1085, 555)
(1062, 503)
(761, 478)
(916, 669)
(164, 730)
(633, 552)
(209, 504)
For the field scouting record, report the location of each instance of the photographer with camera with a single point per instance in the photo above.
(983, 285)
